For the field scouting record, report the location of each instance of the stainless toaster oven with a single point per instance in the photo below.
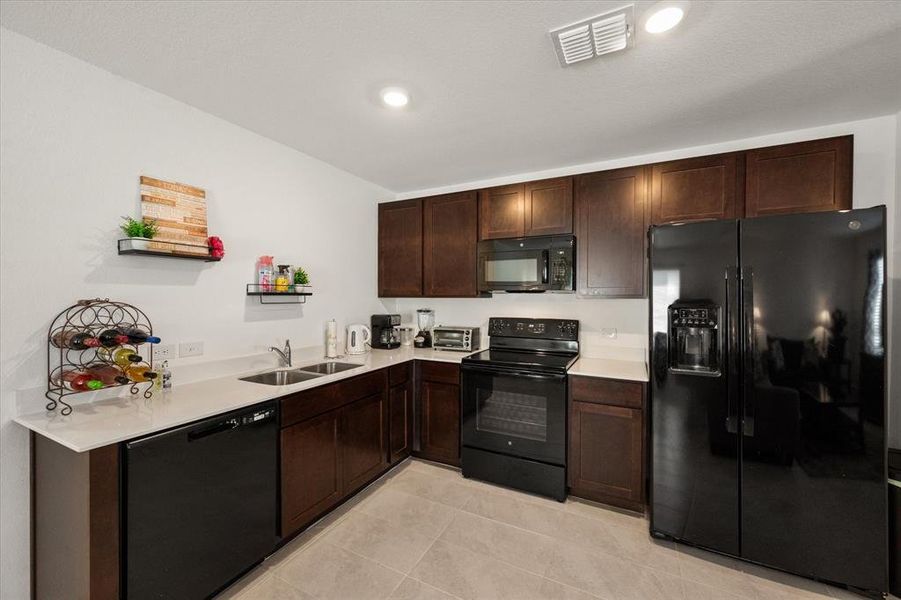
(464, 339)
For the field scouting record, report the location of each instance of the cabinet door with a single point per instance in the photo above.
(501, 212)
(611, 217)
(804, 177)
(450, 239)
(440, 422)
(605, 454)
(362, 441)
(693, 189)
(548, 206)
(311, 477)
(400, 249)
(400, 421)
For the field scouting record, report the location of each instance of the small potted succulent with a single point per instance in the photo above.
(301, 279)
(139, 232)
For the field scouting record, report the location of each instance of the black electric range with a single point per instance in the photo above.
(514, 398)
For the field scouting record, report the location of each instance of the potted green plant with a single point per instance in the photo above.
(139, 232)
(301, 279)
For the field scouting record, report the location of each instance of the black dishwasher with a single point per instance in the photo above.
(200, 504)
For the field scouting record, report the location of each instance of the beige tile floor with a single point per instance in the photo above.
(424, 532)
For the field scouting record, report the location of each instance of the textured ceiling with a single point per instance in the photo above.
(488, 96)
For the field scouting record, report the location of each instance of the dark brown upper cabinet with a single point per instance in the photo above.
(501, 212)
(450, 238)
(525, 209)
(400, 249)
(548, 207)
(695, 189)
(802, 177)
(611, 226)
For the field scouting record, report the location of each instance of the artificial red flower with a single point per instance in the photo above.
(217, 248)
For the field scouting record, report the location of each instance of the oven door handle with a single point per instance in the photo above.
(517, 373)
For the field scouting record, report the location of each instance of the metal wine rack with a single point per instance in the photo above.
(93, 317)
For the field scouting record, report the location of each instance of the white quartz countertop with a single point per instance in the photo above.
(124, 417)
(630, 370)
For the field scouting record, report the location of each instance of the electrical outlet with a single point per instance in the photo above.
(609, 332)
(163, 352)
(190, 349)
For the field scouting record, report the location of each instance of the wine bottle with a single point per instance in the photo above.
(139, 336)
(74, 339)
(122, 356)
(139, 373)
(108, 374)
(112, 338)
(78, 381)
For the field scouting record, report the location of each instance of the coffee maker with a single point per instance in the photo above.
(385, 331)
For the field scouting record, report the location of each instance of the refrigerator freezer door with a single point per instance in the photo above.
(694, 447)
(813, 437)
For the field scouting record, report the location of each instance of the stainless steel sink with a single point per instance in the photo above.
(330, 367)
(283, 377)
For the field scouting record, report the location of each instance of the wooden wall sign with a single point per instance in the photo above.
(180, 213)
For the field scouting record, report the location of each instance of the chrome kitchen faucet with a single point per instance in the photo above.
(284, 354)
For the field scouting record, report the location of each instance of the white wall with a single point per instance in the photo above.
(894, 303)
(73, 141)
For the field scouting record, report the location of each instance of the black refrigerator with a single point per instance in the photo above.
(768, 398)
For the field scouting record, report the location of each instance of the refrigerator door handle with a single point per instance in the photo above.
(749, 338)
(728, 346)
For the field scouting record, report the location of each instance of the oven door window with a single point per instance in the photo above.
(510, 413)
(518, 414)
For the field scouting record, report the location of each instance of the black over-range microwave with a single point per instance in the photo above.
(532, 264)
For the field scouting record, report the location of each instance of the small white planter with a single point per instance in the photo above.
(138, 243)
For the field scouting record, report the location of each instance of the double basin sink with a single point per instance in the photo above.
(289, 376)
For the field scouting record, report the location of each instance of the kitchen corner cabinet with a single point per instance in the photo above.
(438, 407)
(400, 412)
(697, 189)
(801, 177)
(611, 232)
(526, 209)
(606, 441)
(449, 243)
(333, 442)
(400, 249)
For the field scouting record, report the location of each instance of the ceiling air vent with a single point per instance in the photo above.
(601, 34)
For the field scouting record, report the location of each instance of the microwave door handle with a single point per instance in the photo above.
(545, 255)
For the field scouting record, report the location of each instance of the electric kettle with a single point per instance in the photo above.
(357, 337)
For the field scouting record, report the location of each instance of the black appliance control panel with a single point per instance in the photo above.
(544, 329)
(694, 317)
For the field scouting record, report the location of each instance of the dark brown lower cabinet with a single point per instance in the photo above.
(439, 412)
(606, 441)
(311, 470)
(326, 457)
(362, 441)
(400, 414)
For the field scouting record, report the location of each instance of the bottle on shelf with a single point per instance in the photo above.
(283, 279)
(74, 339)
(111, 338)
(265, 273)
(108, 374)
(122, 356)
(76, 380)
(139, 373)
(139, 336)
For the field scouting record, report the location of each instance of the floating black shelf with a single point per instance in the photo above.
(165, 249)
(295, 294)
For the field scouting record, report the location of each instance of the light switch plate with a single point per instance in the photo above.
(190, 349)
(163, 352)
(609, 332)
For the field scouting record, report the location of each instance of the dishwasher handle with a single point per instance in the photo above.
(211, 429)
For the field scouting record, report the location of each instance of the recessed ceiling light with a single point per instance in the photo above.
(663, 16)
(395, 97)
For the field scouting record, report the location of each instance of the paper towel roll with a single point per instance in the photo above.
(331, 339)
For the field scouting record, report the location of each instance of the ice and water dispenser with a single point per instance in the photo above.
(694, 338)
